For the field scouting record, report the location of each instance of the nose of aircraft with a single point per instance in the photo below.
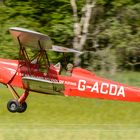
(2, 74)
(7, 69)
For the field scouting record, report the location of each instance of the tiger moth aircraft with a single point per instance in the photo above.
(37, 74)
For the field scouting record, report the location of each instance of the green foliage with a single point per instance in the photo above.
(102, 60)
(40, 16)
(115, 24)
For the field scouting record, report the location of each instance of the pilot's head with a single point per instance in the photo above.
(69, 66)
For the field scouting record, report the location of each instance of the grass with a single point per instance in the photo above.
(66, 118)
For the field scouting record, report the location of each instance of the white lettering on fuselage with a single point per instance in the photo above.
(102, 88)
(81, 85)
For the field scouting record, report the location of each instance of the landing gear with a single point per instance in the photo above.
(14, 106)
(18, 104)
(22, 108)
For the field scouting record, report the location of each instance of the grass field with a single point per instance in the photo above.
(72, 118)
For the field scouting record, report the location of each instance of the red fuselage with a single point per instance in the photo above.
(80, 83)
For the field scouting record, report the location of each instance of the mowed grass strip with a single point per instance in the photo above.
(58, 117)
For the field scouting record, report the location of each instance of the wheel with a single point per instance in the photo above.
(13, 106)
(22, 107)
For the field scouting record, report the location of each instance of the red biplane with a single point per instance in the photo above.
(36, 73)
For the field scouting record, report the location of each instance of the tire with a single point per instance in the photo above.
(22, 108)
(13, 106)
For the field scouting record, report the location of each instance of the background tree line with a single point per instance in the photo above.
(108, 33)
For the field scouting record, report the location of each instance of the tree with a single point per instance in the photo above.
(108, 31)
(81, 25)
(114, 26)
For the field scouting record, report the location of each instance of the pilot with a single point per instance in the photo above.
(69, 69)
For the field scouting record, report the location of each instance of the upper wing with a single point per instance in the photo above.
(31, 38)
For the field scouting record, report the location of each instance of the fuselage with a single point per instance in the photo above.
(80, 83)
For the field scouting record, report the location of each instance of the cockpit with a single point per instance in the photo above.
(34, 48)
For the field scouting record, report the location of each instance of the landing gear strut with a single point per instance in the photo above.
(17, 104)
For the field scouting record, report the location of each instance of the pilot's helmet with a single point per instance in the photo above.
(69, 66)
